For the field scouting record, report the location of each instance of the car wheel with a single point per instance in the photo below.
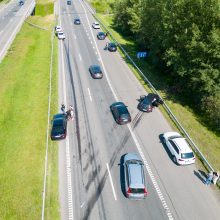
(174, 160)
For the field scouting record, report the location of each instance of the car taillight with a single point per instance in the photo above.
(145, 192)
(180, 159)
(128, 191)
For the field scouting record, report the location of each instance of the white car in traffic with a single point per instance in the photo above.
(180, 150)
(96, 25)
(61, 35)
(58, 29)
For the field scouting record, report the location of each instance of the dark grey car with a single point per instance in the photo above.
(101, 36)
(96, 71)
(120, 113)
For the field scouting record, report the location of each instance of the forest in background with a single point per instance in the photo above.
(183, 39)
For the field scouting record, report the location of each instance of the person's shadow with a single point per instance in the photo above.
(201, 175)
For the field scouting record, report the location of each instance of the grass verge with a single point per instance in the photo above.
(207, 140)
(24, 90)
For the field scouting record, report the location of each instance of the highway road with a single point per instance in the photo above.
(11, 18)
(90, 171)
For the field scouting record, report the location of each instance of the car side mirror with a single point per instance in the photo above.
(142, 97)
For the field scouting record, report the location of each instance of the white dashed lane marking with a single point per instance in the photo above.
(90, 97)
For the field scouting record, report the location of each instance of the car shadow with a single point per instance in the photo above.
(122, 179)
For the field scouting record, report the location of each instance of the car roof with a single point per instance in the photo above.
(136, 175)
(182, 144)
(101, 33)
(58, 122)
(146, 100)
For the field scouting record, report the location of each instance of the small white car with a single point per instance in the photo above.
(58, 29)
(180, 150)
(61, 35)
(96, 25)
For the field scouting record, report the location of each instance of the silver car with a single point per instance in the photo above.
(135, 186)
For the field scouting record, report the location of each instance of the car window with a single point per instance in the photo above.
(127, 173)
(137, 190)
(174, 146)
(187, 155)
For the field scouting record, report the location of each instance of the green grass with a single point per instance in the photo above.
(208, 141)
(44, 9)
(24, 86)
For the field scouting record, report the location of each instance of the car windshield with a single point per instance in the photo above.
(137, 190)
(96, 69)
(135, 162)
(174, 137)
(187, 155)
(101, 33)
(60, 33)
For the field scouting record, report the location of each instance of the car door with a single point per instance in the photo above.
(115, 112)
(174, 149)
(170, 147)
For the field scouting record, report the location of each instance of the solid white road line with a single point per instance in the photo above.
(68, 164)
(90, 95)
(110, 177)
(48, 126)
(167, 210)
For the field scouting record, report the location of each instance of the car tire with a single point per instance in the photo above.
(174, 160)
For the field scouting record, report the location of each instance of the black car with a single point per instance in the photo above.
(120, 113)
(59, 127)
(68, 2)
(77, 21)
(96, 71)
(155, 99)
(101, 36)
(112, 47)
(145, 104)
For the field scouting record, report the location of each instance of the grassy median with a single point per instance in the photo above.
(24, 88)
(207, 140)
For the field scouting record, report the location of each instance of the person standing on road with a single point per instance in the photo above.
(209, 178)
(63, 108)
(215, 177)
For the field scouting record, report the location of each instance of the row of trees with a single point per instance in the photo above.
(185, 37)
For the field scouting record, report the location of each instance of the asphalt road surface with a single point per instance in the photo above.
(90, 173)
(11, 18)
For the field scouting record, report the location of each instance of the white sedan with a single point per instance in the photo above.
(61, 35)
(180, 150)
(96, 25)
(58, 29)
